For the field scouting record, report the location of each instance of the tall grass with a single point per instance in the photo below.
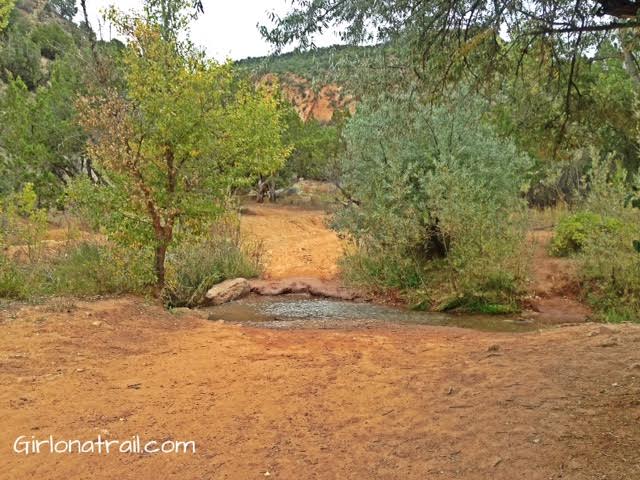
(194, 267)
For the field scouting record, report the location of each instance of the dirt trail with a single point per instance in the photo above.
(387, 403)
(554, 283)
(297, 242)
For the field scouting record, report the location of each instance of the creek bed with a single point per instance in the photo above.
(302, 311)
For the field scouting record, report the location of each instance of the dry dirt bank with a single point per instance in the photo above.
(409, 403)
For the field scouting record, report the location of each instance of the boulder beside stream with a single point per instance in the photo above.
(227, 291)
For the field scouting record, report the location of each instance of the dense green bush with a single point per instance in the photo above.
(39, 135)
(607, 230)
(20, 57)
(437, 207)
(573, 232)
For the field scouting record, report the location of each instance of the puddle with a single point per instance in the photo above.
(297, 311)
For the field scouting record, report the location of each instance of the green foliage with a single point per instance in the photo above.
(316, 147)
(609, 262)
(195, 266)
(383, 270)
(53, 40)
(23, 223)
(172, 16)
(89, 269)
(437, 201)
(67, 9)
(81, 269)
(6, 7)
(47, 63)
(575, 231)
(458, 41)
(20, 56)
(323, 65)
(13, 283)
(39, 134)
(29, 270)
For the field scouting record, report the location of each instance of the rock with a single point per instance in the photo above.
(96, 323)
(312, 286)
(227, 291)
(610, 342)
(634, 366)
(493, 348)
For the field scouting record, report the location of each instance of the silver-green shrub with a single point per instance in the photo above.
(437, 203)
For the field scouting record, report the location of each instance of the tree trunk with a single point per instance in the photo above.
(161, 253)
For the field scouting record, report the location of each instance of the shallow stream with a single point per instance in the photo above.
(300, 311)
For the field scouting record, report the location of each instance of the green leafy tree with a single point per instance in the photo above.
(453, 29)
(172, 15)
(316, 146)
(435, 44)
(183, 133)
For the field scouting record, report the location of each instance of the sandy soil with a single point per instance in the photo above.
(297, 243)
(410, 403)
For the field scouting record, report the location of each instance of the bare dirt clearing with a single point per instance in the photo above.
(381, 403)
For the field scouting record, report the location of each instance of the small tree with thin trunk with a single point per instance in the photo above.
(179, 136)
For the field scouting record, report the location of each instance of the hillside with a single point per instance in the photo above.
(310, 80)
(39, 32)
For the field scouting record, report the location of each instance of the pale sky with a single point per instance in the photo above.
(228, 28)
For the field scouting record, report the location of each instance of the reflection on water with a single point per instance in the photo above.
(295, 311)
